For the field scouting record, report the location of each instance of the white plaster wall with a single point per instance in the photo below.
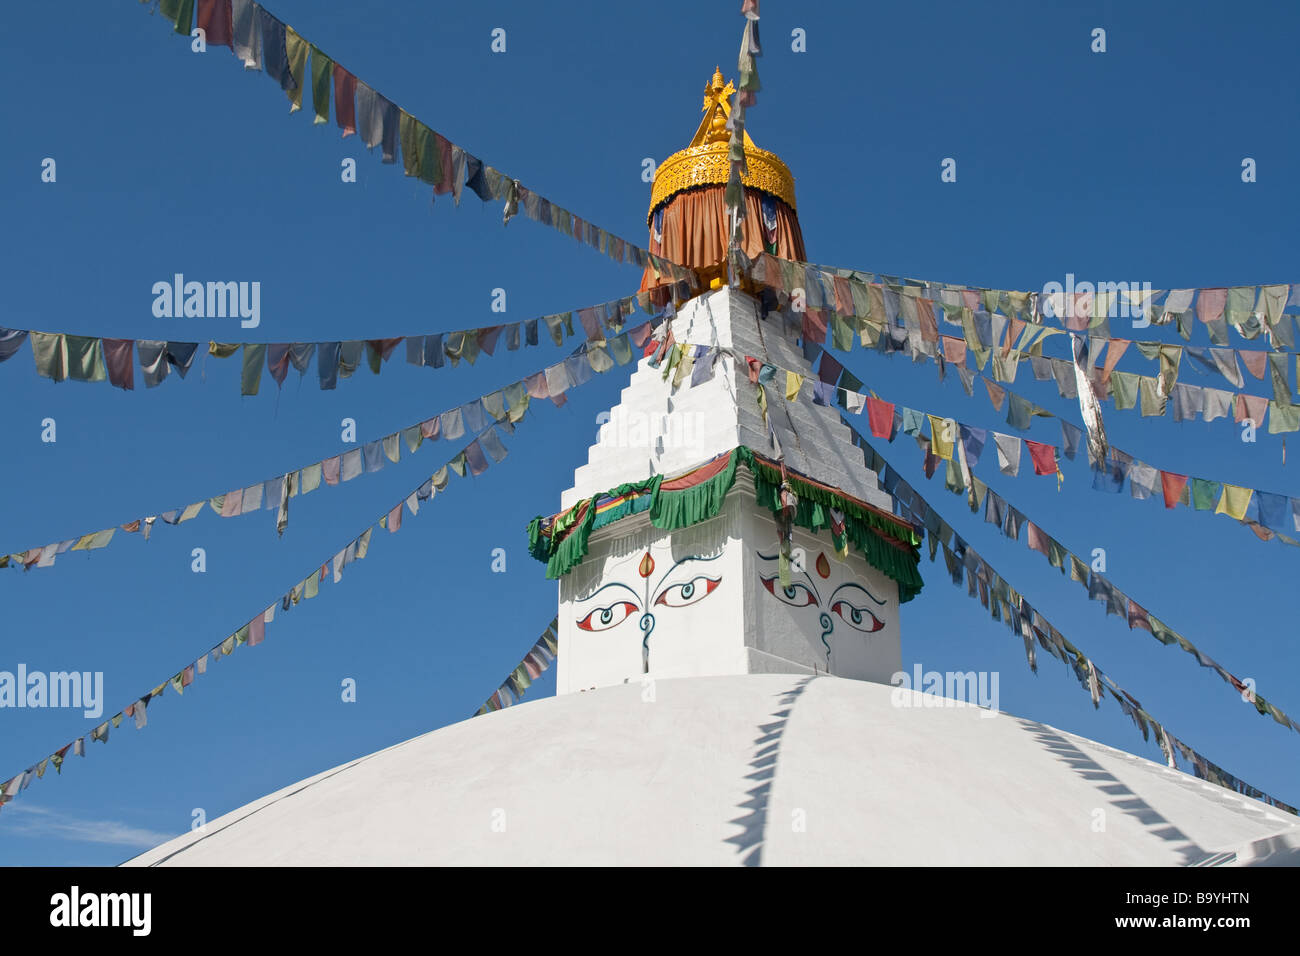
(658, 429)
(778, 631)
(703, 637)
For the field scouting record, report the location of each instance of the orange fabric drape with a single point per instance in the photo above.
(695, 231)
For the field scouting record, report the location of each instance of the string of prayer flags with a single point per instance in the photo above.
(534, 664)
(886, 420)
(254, 631)
(1007, 604)
(505, 407)
(1250, 310)
(1009, 520)
(1268, 515)
(747, 96)
(63, 357)
(894, 318)
(261, 41)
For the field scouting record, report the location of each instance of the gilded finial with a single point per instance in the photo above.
(705, 160)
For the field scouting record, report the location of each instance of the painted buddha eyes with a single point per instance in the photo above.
(603, 618)
(693, 591)
(858, 618)
(682, 593)
(796, 595)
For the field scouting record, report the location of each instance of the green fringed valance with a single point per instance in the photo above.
(888, 543)
(894, 554)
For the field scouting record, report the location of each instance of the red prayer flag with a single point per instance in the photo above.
(843, 296)
(445, 164)
(118, 356)
(256, 630)
(881, 416)
(1254, 407)
(954, 350)
(345, 100)
(217, 21)
(1172, 486)
(814, 326)
(1044, 457)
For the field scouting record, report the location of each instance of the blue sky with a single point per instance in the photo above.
(1116, 166)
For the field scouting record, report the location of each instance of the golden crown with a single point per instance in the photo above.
(705, 161)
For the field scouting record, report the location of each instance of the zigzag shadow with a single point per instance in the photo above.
(749, 842)
(1121, 796)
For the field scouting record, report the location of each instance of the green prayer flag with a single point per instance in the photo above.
(841, 333)
(180, 13)
(1283, 418)
(517, 398)
(309, 478)
(457, 465)
(495, 405)
(251, 377)
(322, 73)
(1123, 388)
(51, 353)
(554, 326)
(408, 130)
(620, 349)
(1153, 403)
(85, 359)
(1277, 366)
(599, 360)
(1205, 493)
(430, 160)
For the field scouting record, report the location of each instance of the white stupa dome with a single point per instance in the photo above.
(751, 769)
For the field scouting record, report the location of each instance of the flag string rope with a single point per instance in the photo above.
(267, 44)
(1116, 458)
(505, 406)
(1132, 612)
(61, 356)
(1099, 587)
(1266, 302)
(919, 332)
(533, 665)
(250, 634)
(993, 590)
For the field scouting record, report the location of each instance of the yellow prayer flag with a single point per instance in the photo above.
(793, 383)
(296, 48)
(943, 432)
(1235, 501)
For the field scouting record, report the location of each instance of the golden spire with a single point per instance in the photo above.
(704, 161)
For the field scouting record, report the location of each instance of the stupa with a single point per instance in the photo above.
(730, 579)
